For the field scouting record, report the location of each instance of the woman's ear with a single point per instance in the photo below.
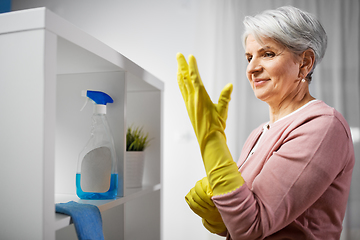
(308, 60)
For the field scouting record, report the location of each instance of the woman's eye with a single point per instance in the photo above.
(249, 59)
(269, 54)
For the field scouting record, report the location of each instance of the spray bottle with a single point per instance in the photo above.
(96, 176)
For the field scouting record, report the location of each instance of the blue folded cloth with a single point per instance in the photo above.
(86, 218)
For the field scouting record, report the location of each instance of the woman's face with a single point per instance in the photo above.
(273, 71)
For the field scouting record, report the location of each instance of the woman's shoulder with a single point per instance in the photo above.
(320, 114)
(320, 108)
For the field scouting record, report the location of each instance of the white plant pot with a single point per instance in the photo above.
(134, 169)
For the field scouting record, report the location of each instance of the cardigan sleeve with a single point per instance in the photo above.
(301, 167)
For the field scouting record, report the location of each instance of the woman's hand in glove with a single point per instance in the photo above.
(205, 116)
(209, 121)
(199, 200)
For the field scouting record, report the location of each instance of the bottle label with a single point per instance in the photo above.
(96, 170)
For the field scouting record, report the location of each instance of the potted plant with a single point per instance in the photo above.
(136, 139)
(136, 142)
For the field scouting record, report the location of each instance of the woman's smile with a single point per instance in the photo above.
(259, 82)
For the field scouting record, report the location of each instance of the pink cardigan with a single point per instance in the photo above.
(297, 181)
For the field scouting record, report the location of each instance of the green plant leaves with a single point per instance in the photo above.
(136, 139)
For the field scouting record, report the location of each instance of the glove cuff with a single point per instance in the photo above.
(225, 180)
(222, 172)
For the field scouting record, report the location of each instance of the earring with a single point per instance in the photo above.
(303, 80)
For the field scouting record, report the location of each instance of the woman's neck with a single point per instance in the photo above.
(280, 110)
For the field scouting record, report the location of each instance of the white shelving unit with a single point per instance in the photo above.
(45, 62)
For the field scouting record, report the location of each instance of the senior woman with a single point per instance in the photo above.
(293, 177)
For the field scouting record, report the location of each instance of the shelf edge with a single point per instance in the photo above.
(62, 220)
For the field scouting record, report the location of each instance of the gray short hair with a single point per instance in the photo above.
(295, 29)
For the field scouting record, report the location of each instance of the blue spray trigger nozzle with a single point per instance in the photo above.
(99, 97)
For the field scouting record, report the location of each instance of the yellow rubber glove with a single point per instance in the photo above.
(199, 200)
(209, 121)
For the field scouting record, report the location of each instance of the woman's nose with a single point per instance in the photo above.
(254, 66)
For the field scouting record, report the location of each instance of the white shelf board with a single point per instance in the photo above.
(62, 220)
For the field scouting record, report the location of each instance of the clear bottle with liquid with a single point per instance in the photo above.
(97, 176)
